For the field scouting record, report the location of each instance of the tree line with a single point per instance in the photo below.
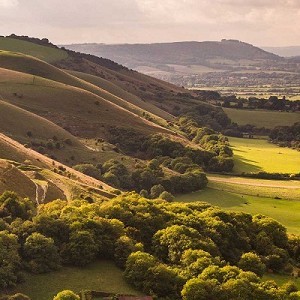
(167, 250)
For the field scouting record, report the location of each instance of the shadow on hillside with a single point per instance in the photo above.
(243, 164)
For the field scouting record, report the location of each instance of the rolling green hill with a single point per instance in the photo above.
(45, 53)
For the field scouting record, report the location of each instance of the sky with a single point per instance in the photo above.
(259, 22)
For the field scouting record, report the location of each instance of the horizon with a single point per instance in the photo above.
(261, 23)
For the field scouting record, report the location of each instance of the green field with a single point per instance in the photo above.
(262, 118)
(254, 155)
(101, 276)
(286, 212)
(282, 279)
(42, 52)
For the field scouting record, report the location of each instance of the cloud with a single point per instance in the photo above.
(262, 22)
(8, 3)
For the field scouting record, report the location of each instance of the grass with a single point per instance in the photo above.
(289, 190)
(286, 212)
(47, 54)
(262, 118)
(75, 107)
(33, 66)
(102, 276)
(282, 279)
(121, 93)
(254, 155)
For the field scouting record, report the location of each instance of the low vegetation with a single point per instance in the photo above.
(185, 250)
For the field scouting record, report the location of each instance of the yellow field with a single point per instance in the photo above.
(254, 155)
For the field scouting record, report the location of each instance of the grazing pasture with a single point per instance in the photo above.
(238, 197)
(102, 276)
(262, 118)
(255, 155)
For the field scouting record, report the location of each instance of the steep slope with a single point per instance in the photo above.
(31, 65)
(119, 92)
(12, 179)
(84, 114)
(60, 180)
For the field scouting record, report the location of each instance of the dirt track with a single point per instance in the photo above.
(238, 180)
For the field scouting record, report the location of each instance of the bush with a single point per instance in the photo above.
(66, 295)
(252, 262)
(88, 169)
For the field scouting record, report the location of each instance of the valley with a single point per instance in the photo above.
(114, 181)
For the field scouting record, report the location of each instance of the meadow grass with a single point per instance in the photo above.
(254, 155)
(282, 279)
(45, 53)
(101, 276)
(262, 118)
(284, 211)
(289, 190)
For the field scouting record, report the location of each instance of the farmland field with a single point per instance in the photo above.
(254, 155)
(262, 118)
(286, 212)
(102, 275)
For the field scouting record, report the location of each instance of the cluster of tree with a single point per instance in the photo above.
(151, 180)
(286, 136)
(211, 141)
(168, 250)
(207, 115)
(273, 103)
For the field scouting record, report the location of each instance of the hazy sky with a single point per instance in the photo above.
(261, 22)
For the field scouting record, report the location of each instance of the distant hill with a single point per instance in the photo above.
(183, 53)
(180, 62)
(284, 51)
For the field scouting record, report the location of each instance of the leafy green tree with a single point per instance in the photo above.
(166, 196)
(124, 246)
(156, 190)
(170, 243)
(199, 289)
(88, 169)
(81, 249)
(66, 295)
(41, 254)
(9, 259)
(14, 207)
(195, 261)
(137, 265)
(252, 262)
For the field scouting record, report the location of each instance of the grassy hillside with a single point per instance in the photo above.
(260, 118)
(30, 126)
(33, 66)
(65, 181)
(42, 52)
(253, 200)
(123, 94)
(12, 179)
(102, 275)
(84, 113)
(254, 155)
